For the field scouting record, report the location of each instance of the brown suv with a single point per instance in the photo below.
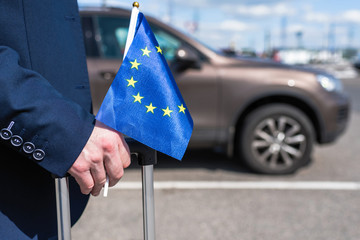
(266, 114)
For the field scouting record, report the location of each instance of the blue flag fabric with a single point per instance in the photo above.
(144, 101)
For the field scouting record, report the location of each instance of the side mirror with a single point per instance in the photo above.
(186, 58)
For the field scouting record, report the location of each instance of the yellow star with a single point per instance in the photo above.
(131, 82)
(167, 111)
(150, 108)
(134, 64)
(138, 98)
(146, 52)
(158, 49)
(182, 109)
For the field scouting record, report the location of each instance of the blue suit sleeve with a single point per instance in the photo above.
(36, 120)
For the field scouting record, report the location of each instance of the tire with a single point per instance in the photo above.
(276, 139)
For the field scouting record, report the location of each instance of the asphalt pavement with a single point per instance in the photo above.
(248, 206)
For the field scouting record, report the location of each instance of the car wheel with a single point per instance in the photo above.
(276, 139)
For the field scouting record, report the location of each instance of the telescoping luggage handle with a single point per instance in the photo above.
(147, 158)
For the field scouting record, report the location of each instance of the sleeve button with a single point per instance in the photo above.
(38, 154)
(16, 140)
(5, 134)
(28, 147)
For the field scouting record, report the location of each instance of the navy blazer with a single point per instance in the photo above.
(45, 117)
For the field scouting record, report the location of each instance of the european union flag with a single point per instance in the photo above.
(144, 101)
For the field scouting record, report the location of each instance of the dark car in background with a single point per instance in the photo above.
(266, 114)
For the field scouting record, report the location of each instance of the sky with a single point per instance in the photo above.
(257, 24)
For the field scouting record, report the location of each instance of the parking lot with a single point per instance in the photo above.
(207, 196)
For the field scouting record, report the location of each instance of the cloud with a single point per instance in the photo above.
(351, 16)
(197, 3)
(218, 4)
(224, 40)
(221, 34)
(259, 10)
(317, 17)
(227, 26)
(233, 25)
(295, 28)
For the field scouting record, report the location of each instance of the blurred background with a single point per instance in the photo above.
(316, 31)
(226, 200)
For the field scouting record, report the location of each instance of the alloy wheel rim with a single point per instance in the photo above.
(278, 142)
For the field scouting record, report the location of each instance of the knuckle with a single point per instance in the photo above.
(89, 187)
(86, 189)
(109, 145)
(97, 157)
(80, 166)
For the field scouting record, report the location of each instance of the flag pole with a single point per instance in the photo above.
(132, 26)
(129, 39)
(146, 162)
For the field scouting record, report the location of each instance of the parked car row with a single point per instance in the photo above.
(266, 114)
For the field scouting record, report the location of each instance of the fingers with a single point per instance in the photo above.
(125, 153)
(105, 153)
(90, 181)
(85, 182)
(83, 178)
(90, 176)
(99, 178)
(114, 168)
(115, 165)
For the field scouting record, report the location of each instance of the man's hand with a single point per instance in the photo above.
(105, 153)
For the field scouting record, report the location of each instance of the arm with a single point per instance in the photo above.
(41, 115)
(54, 124)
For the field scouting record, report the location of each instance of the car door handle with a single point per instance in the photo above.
(109, 76)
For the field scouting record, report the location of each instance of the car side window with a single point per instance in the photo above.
(168, 43)
(89, 38)
(113, 33)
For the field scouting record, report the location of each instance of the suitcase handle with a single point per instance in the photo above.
(146, 158)
(142, 153)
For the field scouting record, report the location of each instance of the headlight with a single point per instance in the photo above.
(330, 83)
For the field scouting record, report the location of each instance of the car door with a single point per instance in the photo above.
(198, 85)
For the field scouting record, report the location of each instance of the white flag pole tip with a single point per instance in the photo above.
(106, 186)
